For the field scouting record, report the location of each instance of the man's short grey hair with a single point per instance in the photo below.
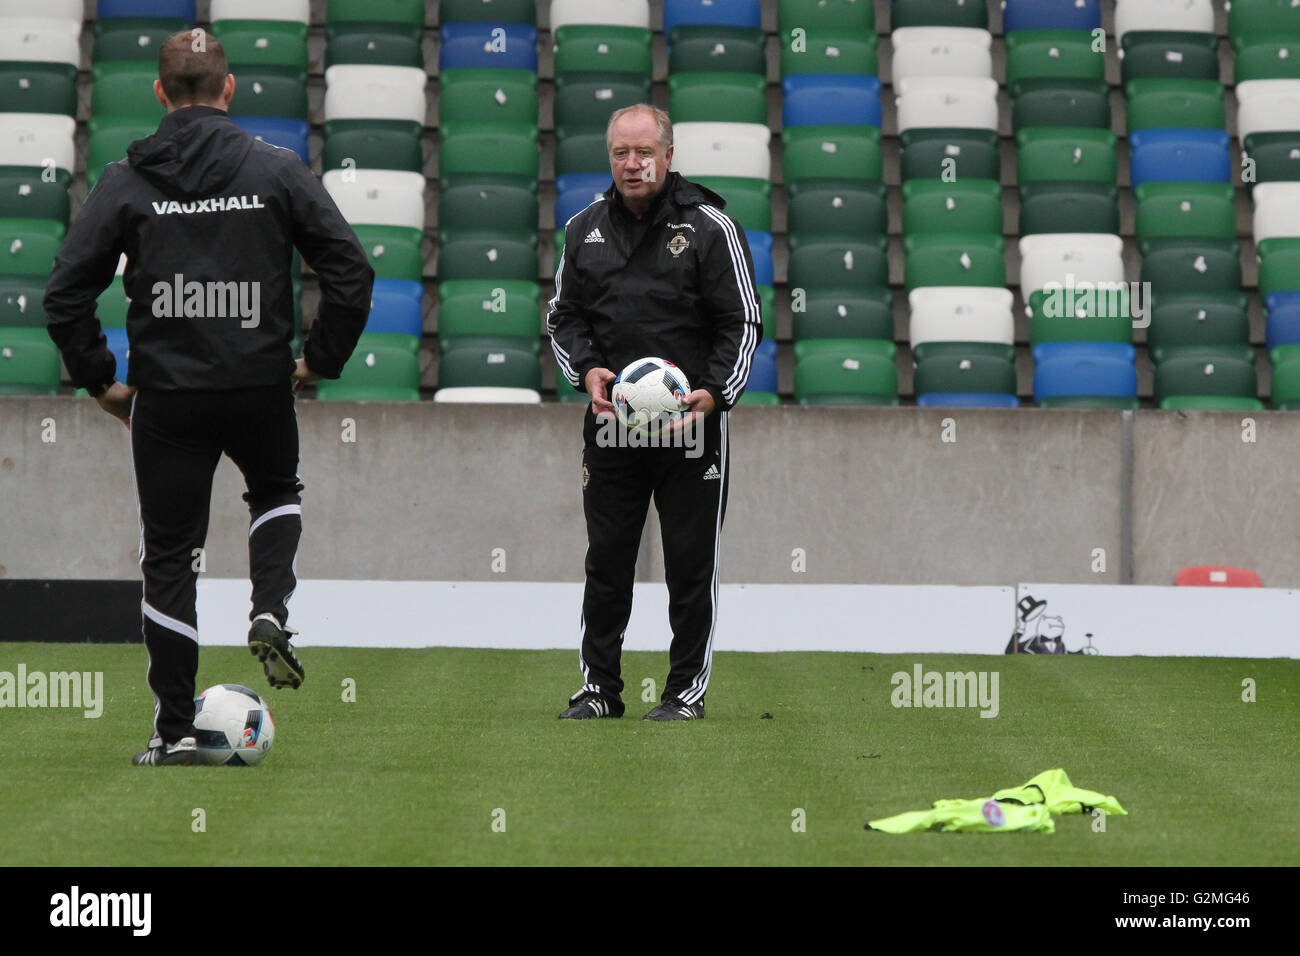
(661, 120)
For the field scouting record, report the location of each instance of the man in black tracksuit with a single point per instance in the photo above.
(208, 219)
(654, 268)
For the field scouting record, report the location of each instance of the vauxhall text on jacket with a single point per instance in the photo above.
(208, 218)
(677, 284)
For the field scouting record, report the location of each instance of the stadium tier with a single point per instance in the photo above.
(870, 151)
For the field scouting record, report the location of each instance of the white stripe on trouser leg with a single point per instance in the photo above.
(279, 512)
(701, 683)
(162, 620)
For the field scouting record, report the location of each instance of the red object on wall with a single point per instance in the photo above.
(1216, 577)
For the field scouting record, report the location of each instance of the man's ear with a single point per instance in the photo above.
(668, 157)
(162, 97)
(228, 91)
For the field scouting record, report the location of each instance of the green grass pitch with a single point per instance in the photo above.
(441, 742)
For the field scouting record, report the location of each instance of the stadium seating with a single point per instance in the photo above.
(29, 362)
(1020, 15)
(1085, 374)
(938, 13)
(384, 367)
(837, 372)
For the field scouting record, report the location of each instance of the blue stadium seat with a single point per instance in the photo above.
(1051, 15)
(288, 133)
(1180, 156)
(117, 344)
(967, 400)
(575, 192)
(828, 99)
(1093, 369)
(760, 247)
(393, 307)
(1283, 319)
(149, 9)
(472, 45)
(721, 13)
(762, 372)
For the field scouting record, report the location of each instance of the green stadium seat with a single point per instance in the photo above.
(109, 140)
(1205, 374)
(501, 11)
(1185, 210)
(1191, 265)
(868, 314)
(838, 264)
(396, 12)
(832, 152)
(1247, 17)
(581, 153)
(759, 398)
(1286, 377)
(1068, 207)
(1053, 55)
(482, 313)
(829, 207)
(931, 153)
(965, 370)
(1060, 103)
(495, 367)
(385, 367)
(22, 302)
(1175, 104)
(123, 90)
(501, 203)
(955, 259)
(1267, 58)
(112, 306)
(507, 149)
(1095, 317)
(847, 372)
(25, 194)
(767, 305)
(823, 50)
(967, 205)
(487, 254)
(502, 97)
(38, 88)
(261, 44)
(717, 97)
(1276, 156)
(133, 38)
(1116, 402)
(270, 91)
(1182, 321)
(1212, 403)
(28, 246)
(1170, 55)
(716, 49)
(373, 144)
(749, 201)
(1053, 154)
(601, 50)
(29, 362)
(393, 251)
(374, 44)
(1279, 266)
(841, 15)
(584, 101)
(939, 13)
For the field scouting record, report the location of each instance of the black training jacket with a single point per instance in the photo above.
(677, 284)
(208, 218)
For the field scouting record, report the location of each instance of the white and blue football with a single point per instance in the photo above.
(233, 726)
(649, 394)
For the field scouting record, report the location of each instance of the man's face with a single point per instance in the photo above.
(637, 160)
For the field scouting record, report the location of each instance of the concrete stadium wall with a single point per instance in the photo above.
(872, 496)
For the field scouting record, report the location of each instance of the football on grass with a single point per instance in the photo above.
(233, 726)
(649, 394)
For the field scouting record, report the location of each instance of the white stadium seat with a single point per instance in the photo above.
(1183, 16)
(378, 197)
(930, 102)
(942, 51)
(961, 314)
(1267, 106)
(722, 149)
(293, 11)
(616, 13)
(39, 41)
(1055, 257)
(66, 11)
(356, 91)
(486, 395)
(29, 139)
(1277, 211)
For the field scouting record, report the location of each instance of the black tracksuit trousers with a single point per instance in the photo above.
(690, 494)
(177, 438)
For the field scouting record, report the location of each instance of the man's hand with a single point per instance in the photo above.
(597, 382)
(302, 375)
(117, 402)
(700, 403)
